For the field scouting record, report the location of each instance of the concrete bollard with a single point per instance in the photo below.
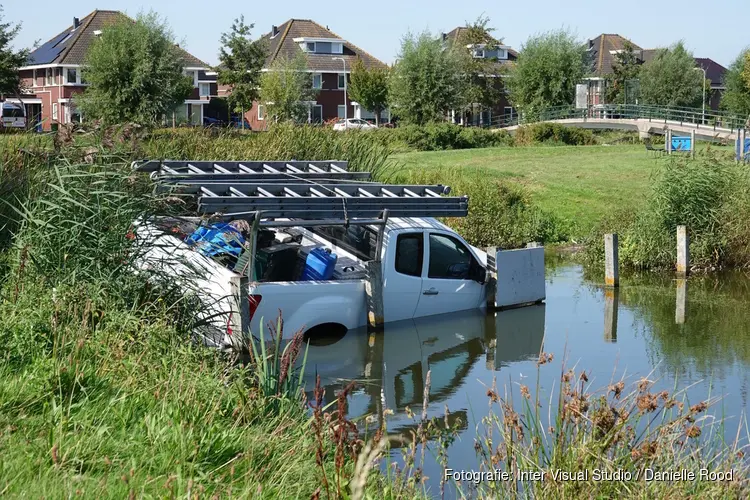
(680, 310)
(491, 277)
(611, 261)
(692, 143)
(683, 251)
(374, 290)
(611, 303)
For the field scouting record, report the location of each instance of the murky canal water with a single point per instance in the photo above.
(680, 335)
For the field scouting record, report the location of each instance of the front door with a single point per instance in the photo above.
(447, 286)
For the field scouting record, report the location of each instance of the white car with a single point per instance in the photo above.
(353, 123)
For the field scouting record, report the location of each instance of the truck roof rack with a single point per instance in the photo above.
(310, 191)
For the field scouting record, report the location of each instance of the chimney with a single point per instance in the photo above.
(274, 30)
(76, 22)
(445, 36)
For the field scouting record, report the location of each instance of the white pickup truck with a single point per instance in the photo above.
(427, 269)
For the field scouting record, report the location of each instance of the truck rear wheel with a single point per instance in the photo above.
(325, 334)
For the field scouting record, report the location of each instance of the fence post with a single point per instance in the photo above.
(742, 136)
(611, 264)
(683, 251)
(692, 143)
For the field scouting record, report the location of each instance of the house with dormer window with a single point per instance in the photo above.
(52, 76)
(494, 58)
(329, 58)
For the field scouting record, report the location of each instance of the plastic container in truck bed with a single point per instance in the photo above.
(319, 265)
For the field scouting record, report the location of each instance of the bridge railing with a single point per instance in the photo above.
(692, 116)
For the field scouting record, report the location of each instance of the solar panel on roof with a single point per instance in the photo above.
(50, 50)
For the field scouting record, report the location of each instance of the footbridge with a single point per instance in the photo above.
(709, 125)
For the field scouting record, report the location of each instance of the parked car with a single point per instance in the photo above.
(234, 123)
(353, 123)
(12, 115)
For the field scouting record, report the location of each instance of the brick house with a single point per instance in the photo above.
(53, 76)
(323, 50)
(501, 56)
(603, 52)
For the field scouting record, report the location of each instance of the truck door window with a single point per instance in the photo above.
(449, 258)
(409, 252)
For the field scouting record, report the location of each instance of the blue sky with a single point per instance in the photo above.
(717, 29)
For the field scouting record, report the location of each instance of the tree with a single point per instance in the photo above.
(736, 97)
(548, 68)
(285, 87)
(483, 84)
(626, 69)
(134, 71)
(369, 87)
(671, 79)
(427, 81)
(241, 60)
(10, 60)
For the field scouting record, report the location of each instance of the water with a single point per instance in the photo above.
(694, 334)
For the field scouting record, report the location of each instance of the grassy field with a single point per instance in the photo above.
(577, 183)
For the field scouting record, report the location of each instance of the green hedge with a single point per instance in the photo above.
(553, 133)
(440, 136)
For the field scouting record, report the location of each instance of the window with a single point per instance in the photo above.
(342, 80)
(478, 53)
(449, 258)
(49, 76)
(71, 75)
(204, 89)
(310, 46)
(33, 79)
(502, 53)
(508, 112)
(54, 111)
(83, 78)
(317, 113)
(341, 111)
(317, 81)
(337, 48)
(323, 47)
(409, 254)
(261, 112)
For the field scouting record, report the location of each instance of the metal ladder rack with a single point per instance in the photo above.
(306, 191)
(180, 171)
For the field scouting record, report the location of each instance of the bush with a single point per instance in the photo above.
(501, 213)
(710, 196)
(553, 133)
(441, 136)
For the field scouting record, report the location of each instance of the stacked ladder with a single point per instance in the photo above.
(321, 191)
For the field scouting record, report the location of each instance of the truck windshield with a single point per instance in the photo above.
(12, 112)
(359, 240)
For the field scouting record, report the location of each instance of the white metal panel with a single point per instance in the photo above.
(520, 276)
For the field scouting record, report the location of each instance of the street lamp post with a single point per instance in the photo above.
(703, 112)
(346, 116)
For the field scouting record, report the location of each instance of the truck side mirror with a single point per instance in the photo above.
(481, 275)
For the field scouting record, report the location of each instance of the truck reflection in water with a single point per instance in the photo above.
(391, 367)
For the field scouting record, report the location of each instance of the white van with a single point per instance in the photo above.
(12, 115)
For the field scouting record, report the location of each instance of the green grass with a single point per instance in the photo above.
(577, 183)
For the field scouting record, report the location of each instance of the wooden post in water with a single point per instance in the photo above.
(611, 264)
(683, 251)
(692, 143)
(680, 309)
(611, 303)
(492, 277)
